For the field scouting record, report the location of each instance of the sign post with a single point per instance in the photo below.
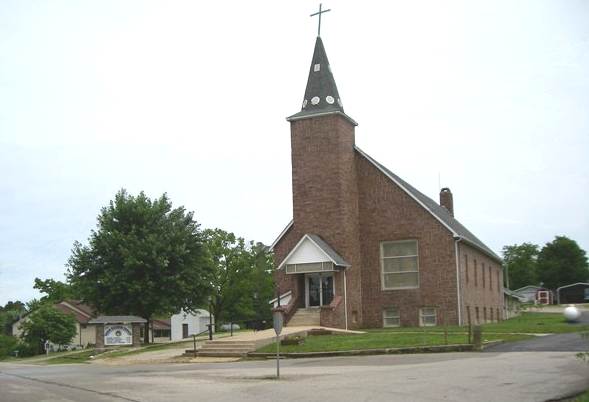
(278, 321)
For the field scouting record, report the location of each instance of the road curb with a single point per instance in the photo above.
(365, 352)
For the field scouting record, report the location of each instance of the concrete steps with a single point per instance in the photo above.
(305, 317)
(223, 348)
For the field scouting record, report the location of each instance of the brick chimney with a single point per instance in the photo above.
(446, 200)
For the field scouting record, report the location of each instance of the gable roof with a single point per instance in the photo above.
(438, 212)
(81, 312)
(325, 248)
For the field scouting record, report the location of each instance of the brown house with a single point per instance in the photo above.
(365, 248)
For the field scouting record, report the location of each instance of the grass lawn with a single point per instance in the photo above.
(508, 330)
(79, 357)
(530, 323)
(584, 397)
(379, 340)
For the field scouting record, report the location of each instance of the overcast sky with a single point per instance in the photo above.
(190, 98)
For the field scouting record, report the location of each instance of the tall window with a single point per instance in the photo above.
(391, 317)
(466, 266)
(428, 317)
(483, 272)
(476, 273)
(490, 279)
(400, 265)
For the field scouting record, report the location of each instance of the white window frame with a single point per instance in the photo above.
(422, 315)
(382, 258)
(386, 315)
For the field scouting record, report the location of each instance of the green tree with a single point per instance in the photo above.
(562, 262)
(48, 323)
(10, 313)
(242, 278)
(520, 264)
(55, 291)
(144, 258)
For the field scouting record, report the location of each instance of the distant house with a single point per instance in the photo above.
(85, 334)
(528, 293)
(184, 324)
(159, 330)
(535, 294)
(573, 293)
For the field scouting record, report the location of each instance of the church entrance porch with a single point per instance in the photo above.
(319, 289)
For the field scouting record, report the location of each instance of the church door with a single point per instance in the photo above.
(319, 289)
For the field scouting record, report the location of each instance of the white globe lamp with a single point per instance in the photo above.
(571, 313)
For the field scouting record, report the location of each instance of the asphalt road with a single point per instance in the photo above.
(516, 376)
(574, 342)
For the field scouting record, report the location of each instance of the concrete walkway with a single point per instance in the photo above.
(267, 336)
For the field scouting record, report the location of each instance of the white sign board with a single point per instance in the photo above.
(118, 334)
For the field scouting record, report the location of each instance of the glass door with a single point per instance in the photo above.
(326, 290)
(319, 289)
(313, 291)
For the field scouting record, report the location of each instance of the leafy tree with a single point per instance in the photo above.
(562, 262)
(48, 323)
(242, 279)
(520, 264)
(144, 258)
(55, 291)
(10, 313)
(7, 345)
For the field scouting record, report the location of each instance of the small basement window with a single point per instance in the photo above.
(391, 317)
(428, 317)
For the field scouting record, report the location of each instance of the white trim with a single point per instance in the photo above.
(308, 116)
(382, 273)
(345, 300)
(421, 315)
(458, 281)
(574, 284)
(320, 276)
(306, 236)
(281, 234)
(282, 296)
(72, 307)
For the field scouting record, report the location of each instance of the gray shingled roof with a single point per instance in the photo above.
(434, 208)
(335, 257)
(321, 94)
(115, 319)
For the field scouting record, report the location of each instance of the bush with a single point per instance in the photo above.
(8, 345)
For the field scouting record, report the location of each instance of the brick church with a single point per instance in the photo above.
(366, 249)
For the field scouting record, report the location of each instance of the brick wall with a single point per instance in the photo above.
(479, 289)
(387, 213)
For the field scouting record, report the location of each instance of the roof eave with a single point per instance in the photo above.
(297, 116)
(479, 248)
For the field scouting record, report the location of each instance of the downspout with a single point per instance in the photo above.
(456, 240)
(345, 300)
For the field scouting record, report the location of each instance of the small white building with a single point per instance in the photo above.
(185, 324)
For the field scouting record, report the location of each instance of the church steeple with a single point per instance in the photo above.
(321, 95)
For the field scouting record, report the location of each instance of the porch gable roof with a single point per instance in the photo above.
(315, 244)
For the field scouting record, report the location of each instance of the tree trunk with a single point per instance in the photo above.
(146, 332)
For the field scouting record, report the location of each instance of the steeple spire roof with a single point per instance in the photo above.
(321, 95)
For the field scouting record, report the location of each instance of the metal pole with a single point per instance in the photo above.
(277, 356)
(194, 341)
(210, 320)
